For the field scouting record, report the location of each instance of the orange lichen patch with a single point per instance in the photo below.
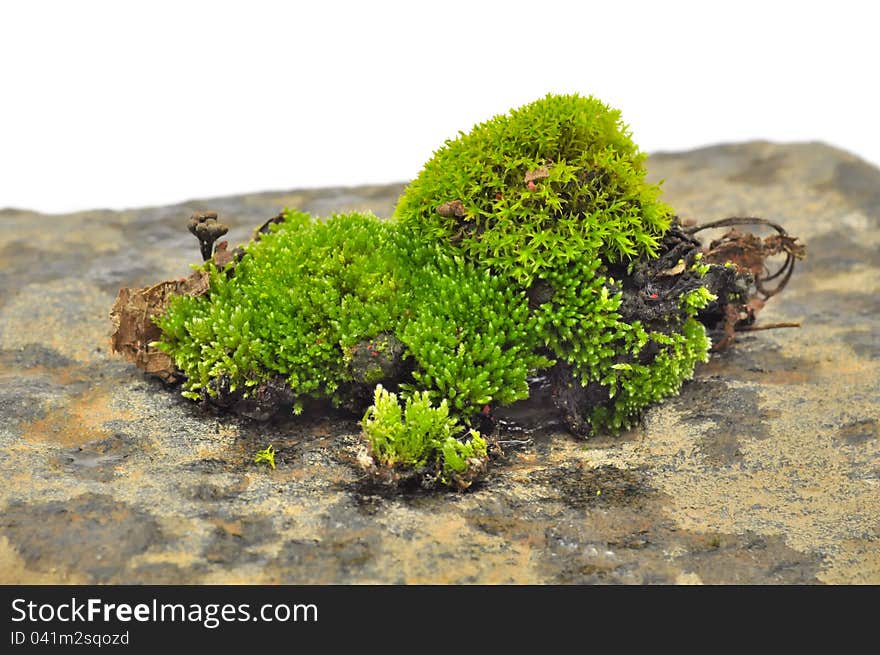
(234, 528)
(135, 476)
(83, 419)
(524, 462)
(249, 576)
(283, 474)
(183, 559)
(218, 442)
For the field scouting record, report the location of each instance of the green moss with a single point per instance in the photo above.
(556, 181)
(421, 436)
(580, 323)
(306, 293)
(299, 300)
(469, 332)
(553, 194)
(634, 386)
(500, 262)
(266, 455)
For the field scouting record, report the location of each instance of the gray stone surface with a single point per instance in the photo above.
(766, 469)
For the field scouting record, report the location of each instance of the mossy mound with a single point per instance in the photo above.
(420, 442)
(552, 198)
(555, 181)
(326, 305)
(523, 245)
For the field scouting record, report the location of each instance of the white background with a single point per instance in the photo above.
(122, 104)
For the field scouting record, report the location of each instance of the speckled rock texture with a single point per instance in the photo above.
(766, 469)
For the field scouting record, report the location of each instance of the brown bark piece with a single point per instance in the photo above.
(776, 244)
(452, 209)
(222, 255)
(134, 330)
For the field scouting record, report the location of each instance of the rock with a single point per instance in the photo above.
(764, 469)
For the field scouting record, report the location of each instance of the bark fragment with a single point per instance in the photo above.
(452, 209)
(747, 255)
(133, 329)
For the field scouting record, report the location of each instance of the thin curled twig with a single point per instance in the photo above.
(733, 221)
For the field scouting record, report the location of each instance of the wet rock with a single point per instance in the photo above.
(20, 399)
(91, 534)
(231, 541)
(97, 460)
(34, 355)
(859, 431)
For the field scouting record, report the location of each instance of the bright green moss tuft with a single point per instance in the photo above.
(548, 198)
(469, 332)
(421, 436)
(634, 386)
(266, 455)
(303, 295)
(580, 323)
(556, 181)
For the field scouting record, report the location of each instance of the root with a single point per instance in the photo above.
(748, 254)
(768, 326)
(748, 251)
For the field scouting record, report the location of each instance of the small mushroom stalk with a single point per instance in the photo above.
(207, 230)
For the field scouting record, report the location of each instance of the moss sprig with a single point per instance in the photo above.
(423, 437)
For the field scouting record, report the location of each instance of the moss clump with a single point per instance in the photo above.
(299, 301)
(321, 304)
(634, 364)
(555, 181)
(531, 243)
(266, 455)
(421, 439)
(470, 333)
(552, 199)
